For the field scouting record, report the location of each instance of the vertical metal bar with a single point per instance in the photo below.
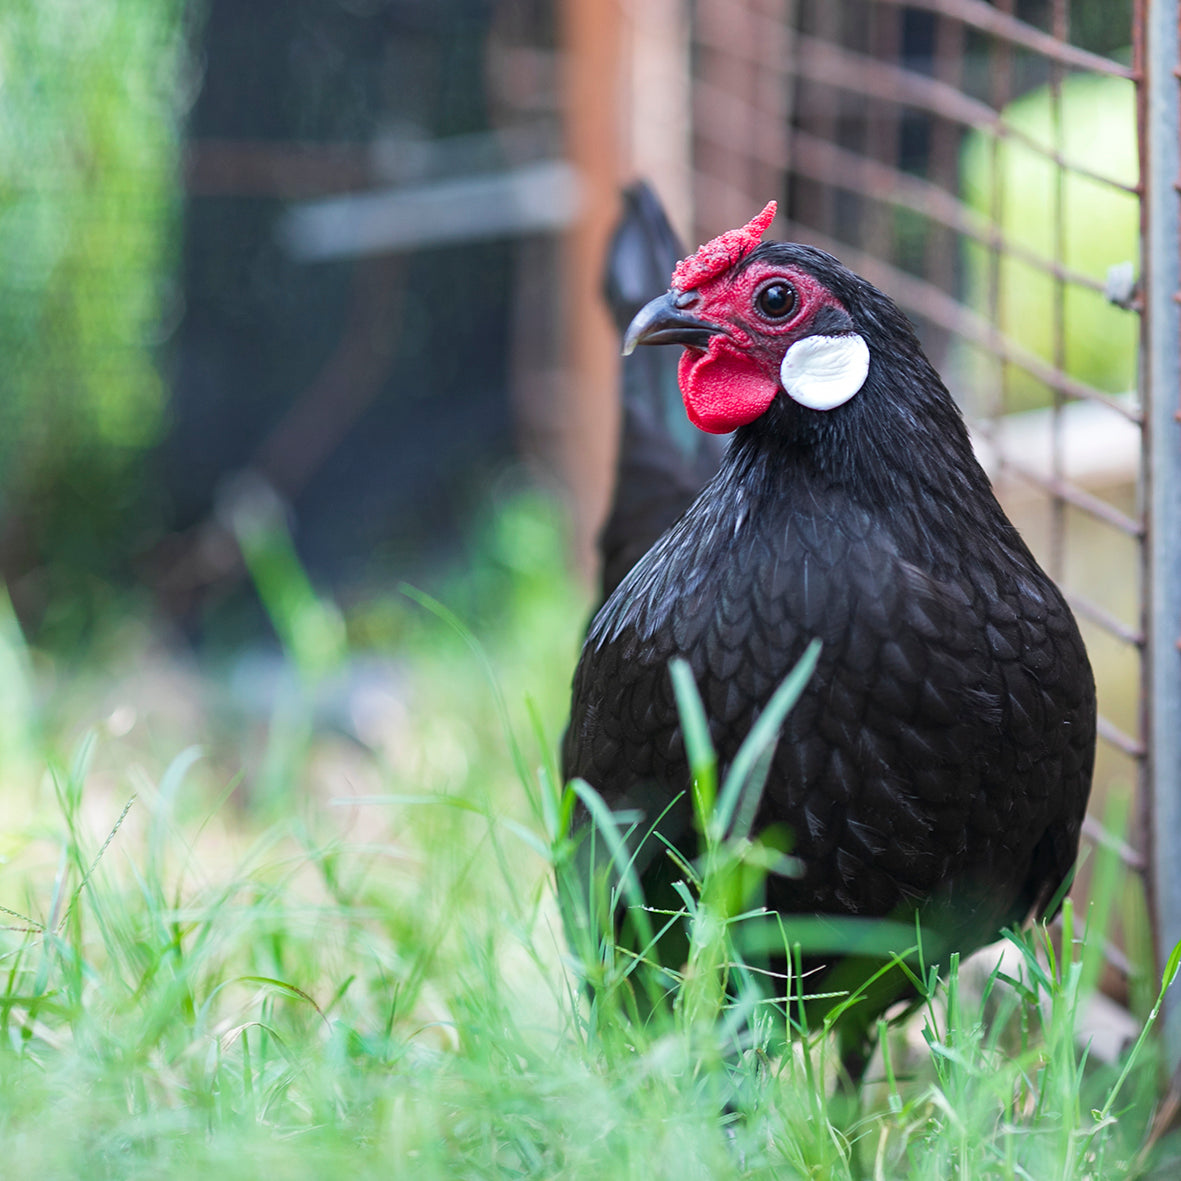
(1060, 27)
(1162, 372)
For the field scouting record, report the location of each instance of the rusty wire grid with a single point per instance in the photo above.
(983, 163)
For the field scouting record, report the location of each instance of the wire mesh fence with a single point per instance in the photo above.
(991, 166)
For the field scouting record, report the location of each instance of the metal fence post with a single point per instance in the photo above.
(1162, 375)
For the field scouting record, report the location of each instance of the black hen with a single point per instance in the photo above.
(940, 757)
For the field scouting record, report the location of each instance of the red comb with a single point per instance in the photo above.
(722, 252)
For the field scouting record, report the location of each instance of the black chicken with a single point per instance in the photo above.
(940, 758)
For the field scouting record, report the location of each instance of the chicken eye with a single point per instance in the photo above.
(776, 300)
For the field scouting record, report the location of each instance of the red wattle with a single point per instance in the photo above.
(722, 389)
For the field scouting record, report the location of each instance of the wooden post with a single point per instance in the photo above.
(591, 44)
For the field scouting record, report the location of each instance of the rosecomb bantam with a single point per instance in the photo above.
(939, 759)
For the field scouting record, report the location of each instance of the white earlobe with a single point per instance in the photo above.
(823, 372)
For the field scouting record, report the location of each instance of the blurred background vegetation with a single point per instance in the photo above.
(164, 344)
(91, 104)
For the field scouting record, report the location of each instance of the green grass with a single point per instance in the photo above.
(366, 977)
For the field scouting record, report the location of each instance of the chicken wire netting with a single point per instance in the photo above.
(982, 163)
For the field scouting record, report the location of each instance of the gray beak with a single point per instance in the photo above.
(662, 322)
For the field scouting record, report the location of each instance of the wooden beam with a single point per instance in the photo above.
(592, 45)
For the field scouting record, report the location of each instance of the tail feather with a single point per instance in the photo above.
(663, 459)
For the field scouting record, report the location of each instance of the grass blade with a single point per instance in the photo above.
(699, 747)
(753, 755)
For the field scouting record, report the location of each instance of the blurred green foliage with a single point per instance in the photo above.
(89, 217)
